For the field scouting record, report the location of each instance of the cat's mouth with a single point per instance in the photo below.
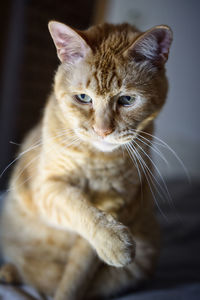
(105, 146)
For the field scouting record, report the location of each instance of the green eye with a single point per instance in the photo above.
(83, 98)
(126, 100)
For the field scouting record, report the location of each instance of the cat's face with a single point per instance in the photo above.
(113, 85)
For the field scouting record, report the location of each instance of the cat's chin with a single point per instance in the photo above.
(104, 146)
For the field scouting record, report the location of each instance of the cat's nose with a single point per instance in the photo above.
(103, 132)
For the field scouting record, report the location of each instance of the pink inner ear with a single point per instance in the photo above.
(165, 44)
(61, 40)
(154, 46)
(70, 46)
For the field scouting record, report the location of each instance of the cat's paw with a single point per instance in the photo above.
(114, 243)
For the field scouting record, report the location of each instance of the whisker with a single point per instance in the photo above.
(22, 171)
(158, 171)
(27, 165)
(14, 143)
(134, 160)
(145, 169)
(165, 189)
(153, 147)
(164, 144)
(160, 175)
(32, 147)
(18, 157)
(73, 142)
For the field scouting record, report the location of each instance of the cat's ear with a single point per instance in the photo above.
(71, 47)
(153, 46)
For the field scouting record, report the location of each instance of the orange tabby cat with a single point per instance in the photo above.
(78, 219)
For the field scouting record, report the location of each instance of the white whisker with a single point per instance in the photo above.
(134, 160)
(32, 147)
(22, 171)
(162, 191)
(20, 155)
(164, 144)
(158, 171)
(144, 166)
(152, 146)
(33, 160)
(14, 143)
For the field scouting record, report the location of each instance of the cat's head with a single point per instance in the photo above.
(111, 81)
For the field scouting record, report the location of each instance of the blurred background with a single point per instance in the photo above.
(28, 61)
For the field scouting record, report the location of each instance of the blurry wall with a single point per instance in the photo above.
(179, 122)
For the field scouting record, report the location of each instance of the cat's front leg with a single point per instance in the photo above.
(67, 207)
(80, 269)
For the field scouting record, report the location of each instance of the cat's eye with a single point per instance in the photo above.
(126, 100)
(83, 98)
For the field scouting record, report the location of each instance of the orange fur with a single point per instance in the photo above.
(74, 192)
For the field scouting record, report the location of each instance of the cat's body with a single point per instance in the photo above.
(73, 189)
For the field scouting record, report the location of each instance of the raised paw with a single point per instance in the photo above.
(114, 243)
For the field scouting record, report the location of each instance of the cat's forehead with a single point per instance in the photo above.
(107, 71)
(97, 82)
(105, 77)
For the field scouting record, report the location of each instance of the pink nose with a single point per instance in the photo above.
(102, 131)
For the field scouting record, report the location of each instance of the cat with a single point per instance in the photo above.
(78, 219)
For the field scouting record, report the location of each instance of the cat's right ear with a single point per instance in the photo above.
(71, 47)
(152, 46)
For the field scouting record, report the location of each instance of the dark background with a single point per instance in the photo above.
(28, 63)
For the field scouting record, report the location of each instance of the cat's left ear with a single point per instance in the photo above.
(71, 47)
(153, 46)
